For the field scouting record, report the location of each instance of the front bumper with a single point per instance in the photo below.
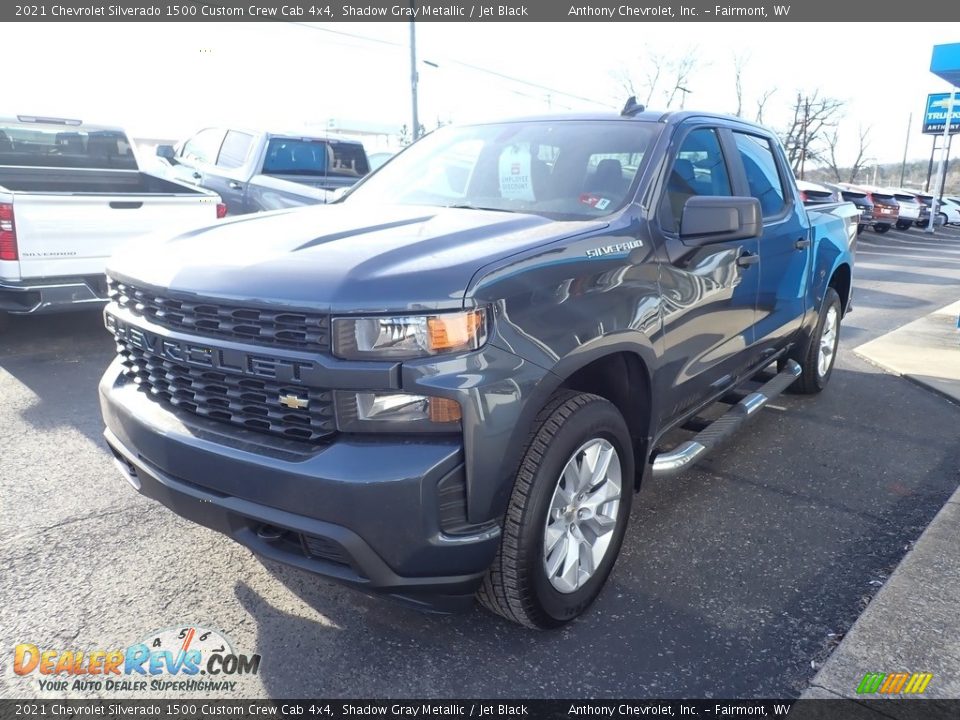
(364, 511)
(52, 294)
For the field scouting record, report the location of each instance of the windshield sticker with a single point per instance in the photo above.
(595, 201)
(515, 181)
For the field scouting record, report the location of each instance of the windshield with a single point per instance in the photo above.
(306, 156)
(65, 147)
(561, 169)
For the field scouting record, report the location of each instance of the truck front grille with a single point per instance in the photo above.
(296, 329)
(247, 402)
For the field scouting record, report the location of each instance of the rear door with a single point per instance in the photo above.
(785, 254)
(709, 291)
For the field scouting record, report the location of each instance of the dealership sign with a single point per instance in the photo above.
(935, 116)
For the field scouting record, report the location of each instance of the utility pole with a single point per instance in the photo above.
(906, 144)
(415, 133)
(803, 148)
(944, 157)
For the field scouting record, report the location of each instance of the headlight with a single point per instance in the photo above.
(399, 412)
(407, 337)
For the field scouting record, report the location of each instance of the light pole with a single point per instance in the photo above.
(414, 77)
(944, 156)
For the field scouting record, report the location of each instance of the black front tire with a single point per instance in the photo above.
(903, 224)
(881, 228)
(813, 378)
(517, 586)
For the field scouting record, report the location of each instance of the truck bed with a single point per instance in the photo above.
(95, 182)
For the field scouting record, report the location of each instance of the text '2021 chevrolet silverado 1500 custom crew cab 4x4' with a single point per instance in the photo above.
(451, 382)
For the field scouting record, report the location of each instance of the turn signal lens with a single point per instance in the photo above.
(444, 410)
(448, 333)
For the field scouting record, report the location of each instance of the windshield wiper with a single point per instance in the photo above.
(468, 206)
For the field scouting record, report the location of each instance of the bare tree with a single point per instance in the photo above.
(814, 116)
(739, 61)
(862, 159)
(851, 172)
(680, 71)
(661, 78)
(762, 104)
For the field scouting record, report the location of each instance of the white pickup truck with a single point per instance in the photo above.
(70, 195)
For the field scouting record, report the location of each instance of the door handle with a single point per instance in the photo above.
(234, 185)
(802, 244)
(196, 175)
(747, 259)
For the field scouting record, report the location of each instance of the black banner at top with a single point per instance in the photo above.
(482, 11)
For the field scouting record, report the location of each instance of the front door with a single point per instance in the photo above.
(709, 291)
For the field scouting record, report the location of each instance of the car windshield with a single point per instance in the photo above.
(562, 169)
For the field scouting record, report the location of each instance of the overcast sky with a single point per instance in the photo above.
(169, 79)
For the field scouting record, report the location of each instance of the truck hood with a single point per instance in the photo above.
(344, 257)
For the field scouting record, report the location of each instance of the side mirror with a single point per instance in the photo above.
(707, 219)
(166, 152)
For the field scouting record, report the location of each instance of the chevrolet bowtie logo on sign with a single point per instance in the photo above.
(294, 402)
(894, 683)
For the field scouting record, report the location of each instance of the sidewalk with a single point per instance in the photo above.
(913, 623)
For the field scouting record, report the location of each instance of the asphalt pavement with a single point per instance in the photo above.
(737, 579)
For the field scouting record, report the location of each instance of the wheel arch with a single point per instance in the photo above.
(616, 371)
(841, 280)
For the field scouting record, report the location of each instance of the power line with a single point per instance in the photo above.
(468, 66)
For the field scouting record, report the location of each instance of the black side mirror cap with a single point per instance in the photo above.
(166, 152)
(708, 219)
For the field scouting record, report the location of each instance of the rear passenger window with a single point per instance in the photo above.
(761, 170)
(699, 169)
(234, 150)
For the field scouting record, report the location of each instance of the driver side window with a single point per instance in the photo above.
(698, 169)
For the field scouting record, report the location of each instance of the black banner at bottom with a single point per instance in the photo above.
(199, 709)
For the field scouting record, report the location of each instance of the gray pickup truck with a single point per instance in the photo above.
(255, 171)
(450, 382)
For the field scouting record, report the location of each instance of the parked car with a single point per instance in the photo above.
(816, 193)
(70, 194)
(445, 386)
(912, 210)
(255, 171)
(948, 213)
(886, 209)
(951, 211)
(862, 201)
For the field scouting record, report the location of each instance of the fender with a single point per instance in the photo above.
(535, 398)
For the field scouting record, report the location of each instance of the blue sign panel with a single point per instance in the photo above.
(935, 116)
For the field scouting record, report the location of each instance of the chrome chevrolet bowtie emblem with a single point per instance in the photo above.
(294, 402)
